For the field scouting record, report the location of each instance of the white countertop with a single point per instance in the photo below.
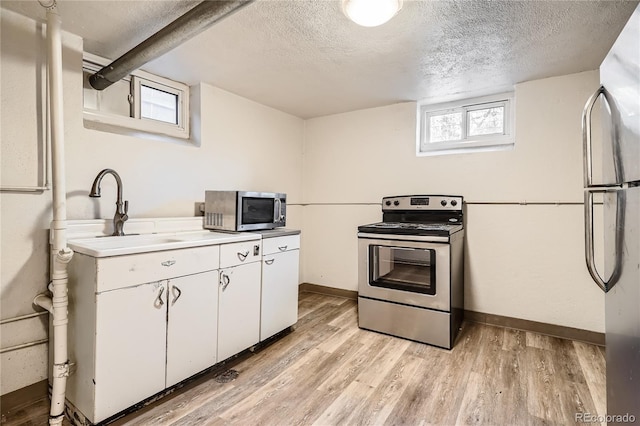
(142, 243)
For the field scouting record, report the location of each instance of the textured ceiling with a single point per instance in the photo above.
(305, 58)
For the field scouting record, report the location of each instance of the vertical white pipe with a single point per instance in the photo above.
(60, 253)
(54, 40)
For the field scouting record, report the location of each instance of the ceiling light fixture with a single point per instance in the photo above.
(371, 13)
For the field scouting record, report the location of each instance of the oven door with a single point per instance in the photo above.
(409, 272)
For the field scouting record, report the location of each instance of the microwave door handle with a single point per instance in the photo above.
(277, 208)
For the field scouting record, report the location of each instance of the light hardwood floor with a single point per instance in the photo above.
(329, 372)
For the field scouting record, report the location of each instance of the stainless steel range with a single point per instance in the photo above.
(411, 269)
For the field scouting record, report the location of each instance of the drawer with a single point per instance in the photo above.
(279, 244)
(240, 253)
(124, 271)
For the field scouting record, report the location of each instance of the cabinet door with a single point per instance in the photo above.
(238, 309)
(279, 307)
(192, 327)
(130, 346)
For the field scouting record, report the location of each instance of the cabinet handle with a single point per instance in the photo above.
(159, 302)
(269, 261)
(283, 248)
(225, 281)
(168, 263)
(176, 296)
(243, 256)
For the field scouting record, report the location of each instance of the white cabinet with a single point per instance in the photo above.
(130, 343)
(138, 324)
(146, 331)
(141, 323)
(279, 299)
(192, 325)
(239, 298)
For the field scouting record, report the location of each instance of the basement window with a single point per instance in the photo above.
(141, 104)
(479, 124)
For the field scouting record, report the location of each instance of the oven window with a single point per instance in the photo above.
(257, 210)
(402, 268)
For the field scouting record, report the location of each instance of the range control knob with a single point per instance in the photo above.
(454, 203)
(388, 203)
(443, 202)
(396, 203)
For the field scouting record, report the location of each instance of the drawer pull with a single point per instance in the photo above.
(243, 256)
(159, 302)
(283, 248)
(168, 263)
(269, 261)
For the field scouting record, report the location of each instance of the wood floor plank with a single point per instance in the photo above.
(336, 340)
(381, 402)
(495, 393)
(372, 344)
(352, 399)
(542, 394)
(384, 361)
(266, 403)
(314, 404)
(179, 406)
(347, 319)
(539, 341)
(300, 384)
(514, 340)
(592, 362)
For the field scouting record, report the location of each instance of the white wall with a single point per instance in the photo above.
(241, 145)
(522, 261)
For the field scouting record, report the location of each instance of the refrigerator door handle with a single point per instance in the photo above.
(588, 234)
(586, 134)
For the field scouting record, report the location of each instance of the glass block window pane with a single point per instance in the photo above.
(158, 105)
(445, 127)
(488, 121)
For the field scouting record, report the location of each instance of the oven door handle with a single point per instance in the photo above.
(398, 237)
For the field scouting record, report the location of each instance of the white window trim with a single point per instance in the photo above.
(137, 81)
(467, 144)
(102, 120)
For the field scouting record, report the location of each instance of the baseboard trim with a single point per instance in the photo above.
(553, 330)
(17, 399)
(329, 291)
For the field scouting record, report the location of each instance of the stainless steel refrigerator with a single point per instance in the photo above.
(618, 100)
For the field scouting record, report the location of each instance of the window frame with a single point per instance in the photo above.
(490, 142)
(137, 82)
(134, 123)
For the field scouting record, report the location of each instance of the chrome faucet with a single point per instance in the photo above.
(121, 210)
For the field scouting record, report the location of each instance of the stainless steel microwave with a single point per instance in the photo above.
(244, 211)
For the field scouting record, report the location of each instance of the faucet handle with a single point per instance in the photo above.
(125, 216)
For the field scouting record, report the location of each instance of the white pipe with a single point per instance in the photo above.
(25, 188)
(23, 317)
(44, 301)
(23, 346)
(60, 253)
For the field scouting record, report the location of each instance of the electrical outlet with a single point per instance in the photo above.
(198, 209)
